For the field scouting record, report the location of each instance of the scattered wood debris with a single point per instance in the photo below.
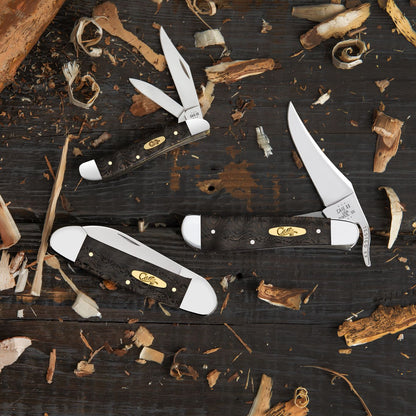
(142, 337)
(403, 25)
(345, 351)
(297, 159)
(87, 44)
(106, 14)
(308, 296)
(389, 131)
(84, 368)
(261, 403)
(343, 376)
(382, 84)
(204, 7)
(323, 98)
(226, 280)
(266, 27)
(9, 233)
(347, 53)
(51, 367)
(22, 24)
(318, 12)
(263, 141)
(337, 26)
(287, 298)
(11, 349)
(150, 354)
(84, 306)
(383, 321)
(232, 71)
(179, 370)
(242, 106)
(71, 72)
(206, 97)
(142, 105)
(239, 338)
(225, 303)
(22, 277)
(295, 407)
(210, 37)
(49, 219)
(6, 278)
(212, 378)
(396, 209)
(211, 351)
(101, 139)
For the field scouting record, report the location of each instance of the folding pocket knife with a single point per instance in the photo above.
(111, 254)
(335, 226)
(170, 137)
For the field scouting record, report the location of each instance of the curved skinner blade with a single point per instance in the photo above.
(182, 77)
(335, 190)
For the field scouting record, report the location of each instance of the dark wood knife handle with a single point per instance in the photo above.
(132, 273)
(148, 148)
(255, 232)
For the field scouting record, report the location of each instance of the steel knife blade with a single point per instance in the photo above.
(111, 254)
(171, 136)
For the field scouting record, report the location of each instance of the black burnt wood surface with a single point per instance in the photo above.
(36, 116)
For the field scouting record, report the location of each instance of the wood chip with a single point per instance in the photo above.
(142, 105)
(150, 354)
(11, 349)
(84, 368)
(206, 97)
(389, 131)
(209, 37)
(261, 403)
(9, 233)
(295, 407)
(323, 98)
(396, 209)
(287, 298)
(336, 27)
(345, 351)
(142, 337)
(212, 350)
(179, 370)
(317, 12)
(51, 367)
(232, 71)
(382, 84)
(106, 14)
(383, 321)
(212, 378)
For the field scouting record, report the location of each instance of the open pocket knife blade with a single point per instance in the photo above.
(113, 255)
(171, 136)
(335, 226)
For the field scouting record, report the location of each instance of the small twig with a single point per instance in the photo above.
(239, 338)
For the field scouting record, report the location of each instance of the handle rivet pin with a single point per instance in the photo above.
(90, 253)
(252, 242)
(110, 162)
(175, 133)
(128, 282)
(137, 157)
(174, 289)
(318, 231)
(212, 231)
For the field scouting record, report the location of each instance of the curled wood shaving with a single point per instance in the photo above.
(11, 349)
(263, 141)
(344, 55)
(212, 378)
(86, 45)
(179, 370)
(403, 25)
(343, 376)
(396, 209)
(261, 403)
(51, 366)
(107, 15)
(226, 280)
(205, 7)
(71, 72)
(150, 354)
(317, 12)
(9, 233)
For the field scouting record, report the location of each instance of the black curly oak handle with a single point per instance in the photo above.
(132, 273)
(254, 232)
(148, 148)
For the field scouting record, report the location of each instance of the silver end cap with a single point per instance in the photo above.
(200, 297)
(191, 230)
(89, 171)
(344, 234)
(67, 241)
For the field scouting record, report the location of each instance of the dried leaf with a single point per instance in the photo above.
(11, 349)
(396, 209)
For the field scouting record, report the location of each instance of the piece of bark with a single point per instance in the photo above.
(287, 298)
(22, 24)
(142, 337)
(49, 219)
(106, 15)
(150, 354)
(383, 321)
(9, 233)
(11, 349)
(232, 71)
(212, 378)
(142, 105)
(261, 403)
(336, 26)
(389, 130)
(51, 367)
(287, 409)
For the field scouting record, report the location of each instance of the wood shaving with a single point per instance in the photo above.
(261, 403)
(297, 159)
(84, 368)
(225, 303)
(107, 15)
(323, 98)
(159, 5)
(205, 7)
(226, 280)
(345, 351)
(396, 209)
(179, 370)
(239, 338)
(22, 277)
(11, 349)
(9, 233)
(210, 37)
(308, 296)
(101, 139)
(266, 27)
(87, 44)
(263, 141)
(382, 84)
(51, 366)
(206, 97)
(347, 53)
(212, 378)
(6, 279)
(343, 376)
(142, 337)
(150, 354)
(211, 351)
(318, 12)
(295, 407)
(286, 298)
(71, 72)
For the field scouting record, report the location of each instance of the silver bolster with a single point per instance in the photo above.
(344, 234)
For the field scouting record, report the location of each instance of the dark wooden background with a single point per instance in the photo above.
(39, 117)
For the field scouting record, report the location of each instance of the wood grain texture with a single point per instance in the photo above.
(38, 117)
